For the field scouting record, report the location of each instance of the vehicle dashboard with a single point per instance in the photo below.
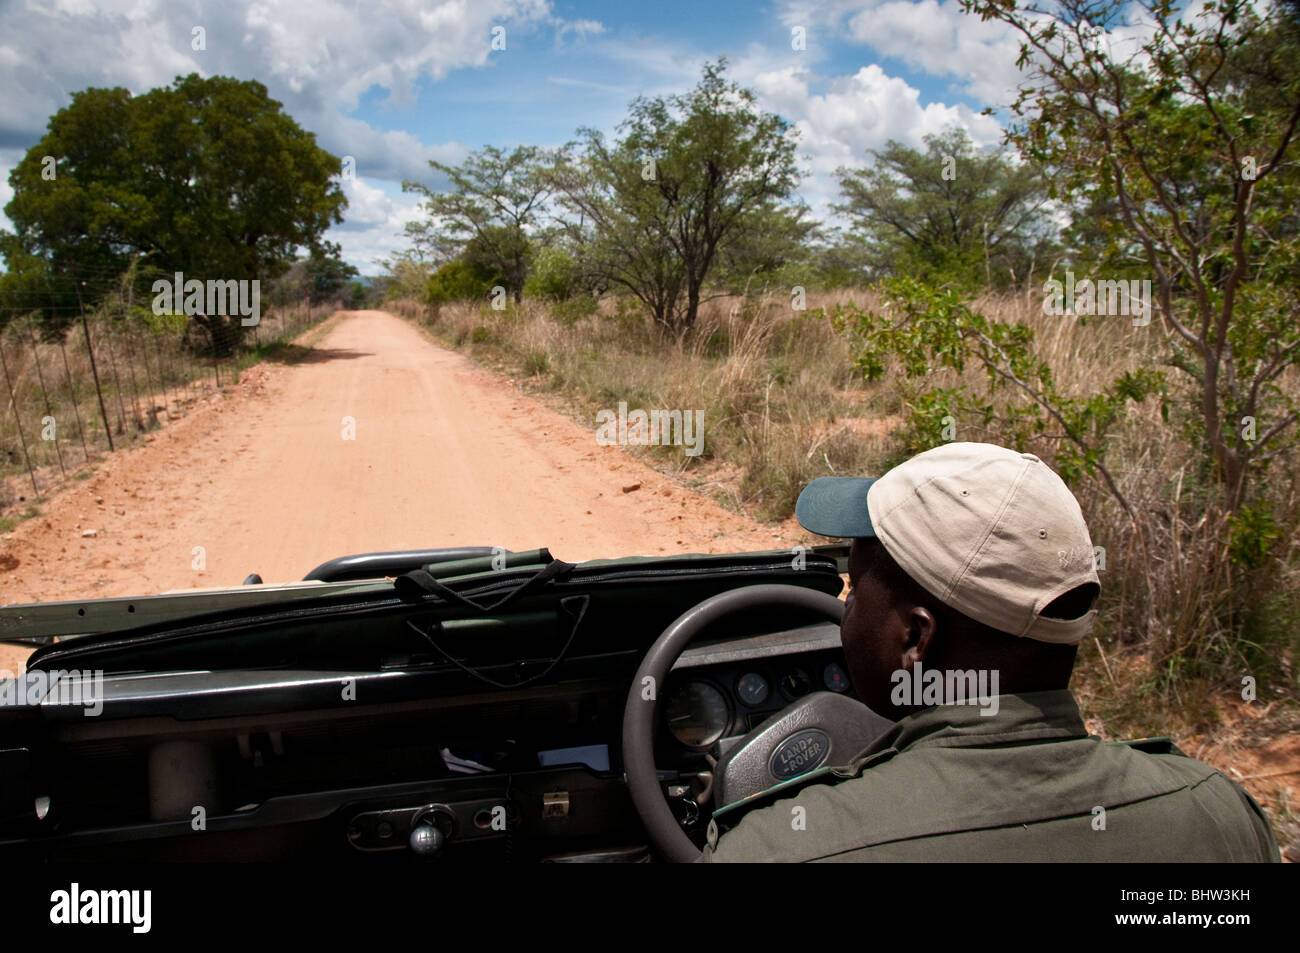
(277, 763)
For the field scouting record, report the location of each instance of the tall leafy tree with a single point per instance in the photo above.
(777, 239)
(685, 178)
(495, 200)
(950, 212)
(1188, 138)
(208, 177)
(327, 273)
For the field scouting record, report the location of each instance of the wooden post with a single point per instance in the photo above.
(94, 371)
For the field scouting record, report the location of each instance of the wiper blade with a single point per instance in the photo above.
(37, 624)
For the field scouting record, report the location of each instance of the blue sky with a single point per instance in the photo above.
(394, 83)
(547, 85)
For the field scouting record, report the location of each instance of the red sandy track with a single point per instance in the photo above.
(445, 454)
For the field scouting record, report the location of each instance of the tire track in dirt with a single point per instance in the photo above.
(445, 454)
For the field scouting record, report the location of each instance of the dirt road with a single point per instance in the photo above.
(376, 439)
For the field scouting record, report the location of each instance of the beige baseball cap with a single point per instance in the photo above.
(994, 534)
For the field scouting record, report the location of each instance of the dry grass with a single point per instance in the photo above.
(782, 406)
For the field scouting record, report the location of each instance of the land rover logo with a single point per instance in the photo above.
(799, 754)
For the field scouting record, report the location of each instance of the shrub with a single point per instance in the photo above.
(573, 310)
(460, 281)
(554, 276)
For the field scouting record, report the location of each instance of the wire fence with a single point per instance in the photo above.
(104, 382)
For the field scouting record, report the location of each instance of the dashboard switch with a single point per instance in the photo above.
(555, 805)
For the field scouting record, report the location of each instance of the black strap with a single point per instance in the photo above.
(566, 604)
(413, 586)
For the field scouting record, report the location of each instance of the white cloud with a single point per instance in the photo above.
(939, 39)
(587, 84)
(934, 36)
(392, 155)
(858, 113)
(943, 41)
(579, 28)
(318, 57)
(377, 216)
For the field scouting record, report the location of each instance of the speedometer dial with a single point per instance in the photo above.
(752, 688)
(697, 714)
(795, 683)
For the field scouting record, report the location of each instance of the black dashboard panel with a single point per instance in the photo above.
(754, 678)
(339, 764)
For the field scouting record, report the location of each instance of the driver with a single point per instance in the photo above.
(971, 565)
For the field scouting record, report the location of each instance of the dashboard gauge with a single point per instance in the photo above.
(697, 714)
(835, 678)
(752, 689)
(795, 683)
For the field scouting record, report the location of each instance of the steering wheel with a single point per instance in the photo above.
(641, 715)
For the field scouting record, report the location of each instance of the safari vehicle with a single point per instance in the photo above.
(449, 705)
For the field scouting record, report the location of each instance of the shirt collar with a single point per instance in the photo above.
(1019, 719)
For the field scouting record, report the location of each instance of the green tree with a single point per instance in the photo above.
(1198, 164)
(494, 201)
(461, 280)
(775, 244)
(357, 295)
(925, 329)
(554, 277)
(950, 213)
(687, 176)
(840, 259)
(207, 177)
(407, 276)
(328, 274)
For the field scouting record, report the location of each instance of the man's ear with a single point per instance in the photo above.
(921, 630)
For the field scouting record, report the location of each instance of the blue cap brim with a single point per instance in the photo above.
(835, 506)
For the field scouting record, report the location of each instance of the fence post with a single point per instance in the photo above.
(72, 391)
(216, 366)
(13, 402)
(130, 373)
(117, 380)
(94, 371)
(40, 376)
(163, 369)
(150, 396)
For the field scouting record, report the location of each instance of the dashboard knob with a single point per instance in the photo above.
(426, 840)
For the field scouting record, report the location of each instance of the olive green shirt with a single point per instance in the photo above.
(1025, 784)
